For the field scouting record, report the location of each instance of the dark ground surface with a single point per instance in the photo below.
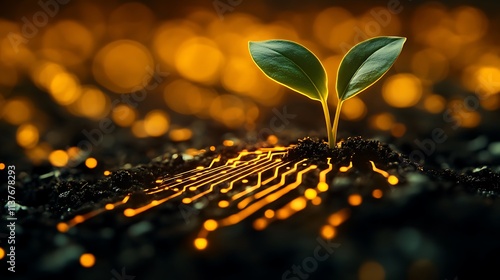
(436, 224)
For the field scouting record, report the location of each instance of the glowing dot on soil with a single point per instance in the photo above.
(62, 227)
(298, 204)
(316, 201)
(79, 219)
(269, 213)
(272, 139)
(87, 260)
(212, 148)
(310, 194)
(200, 168)
(107, 173)
(2, 166)
(377, 193)
(2, 253)
(371, 270)
(186, 200)
(259, 224)
(355, 199)
(223, 203)
(91, 163)
(322, 187)
(109, 206)
(129, 212)
(393, 180)
(210, 225)
(228, 143)
(200, 243)
(244, 181)
(328, 232)
(345, 168)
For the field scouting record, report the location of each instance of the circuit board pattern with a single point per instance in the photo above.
(249, 185)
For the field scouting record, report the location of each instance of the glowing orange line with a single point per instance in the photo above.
(236, 218)
(380, 171)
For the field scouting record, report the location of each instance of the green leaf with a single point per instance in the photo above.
(366, 63)
(291, 65)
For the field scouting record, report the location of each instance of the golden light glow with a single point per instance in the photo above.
(2, 166)
(345, 168)
(269, 213)
(120, 24)
(223, 203)
(39, 153)
(91, 163)
(259, 224)
(468, 119)
(156, 123)
(333, 27)
(67, 42)
(328, 232)
(180, 134)
(107, 173)
(272, 139)
(44, 72)
(353, 109)
(430, 65)
(124, 115)
(87, 260)
(229, 110)
(200, 243)
(398, 130)
(17, 111)
(169, 37)
(470, 23)
(298, 204)
(65, 88)
(322, 187)
(482, 79)
(58, 158)
(129, 212)
(383, 121)
(434, 103)
(2, 253)
(228, 143)
(316, 201)
(355, 199)
(210, 225)
(138, 129)
(121, 75)
(92, 103)
(27, 136)
(371, 270)
(310, 194)
(402, 90)
(199, 60)
(377, 193)
(62, 227)
(393, 180)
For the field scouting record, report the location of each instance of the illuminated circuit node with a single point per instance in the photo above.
(251, 182)
(87, 260)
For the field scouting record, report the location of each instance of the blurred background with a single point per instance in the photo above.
(85, 79)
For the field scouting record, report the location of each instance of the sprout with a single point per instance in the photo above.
(297, 68)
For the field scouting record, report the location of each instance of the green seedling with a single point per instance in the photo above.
(294, 66)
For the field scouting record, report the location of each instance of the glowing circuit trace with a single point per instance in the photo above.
(259, 184)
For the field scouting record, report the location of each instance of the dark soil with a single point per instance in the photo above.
(436, 224)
